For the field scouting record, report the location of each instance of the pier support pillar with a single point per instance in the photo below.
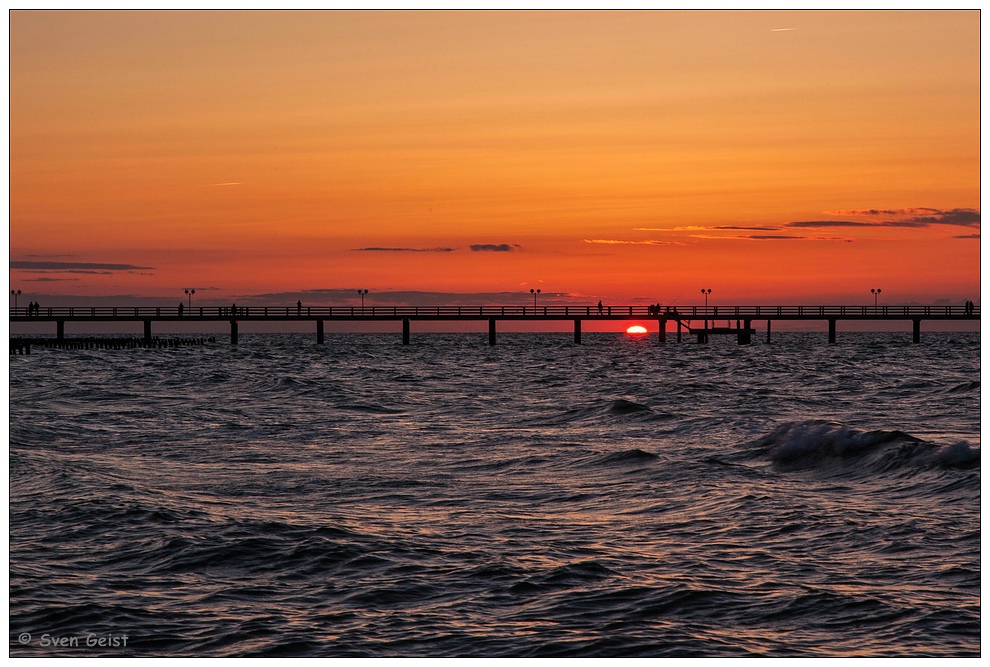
(147, 331)
(916, 331)
(678, 331)
(745, 337)
(60, 330)
(319, 332)
(405, 330)
(233, 332)
(831, 331)
(577, 332)
(768, 332)
(663, 331)
(491, 331)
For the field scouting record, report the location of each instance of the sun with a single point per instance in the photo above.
(636, 329)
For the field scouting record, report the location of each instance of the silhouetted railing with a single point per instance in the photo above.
(474, 312)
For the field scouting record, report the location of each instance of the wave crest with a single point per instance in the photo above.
(818, 444)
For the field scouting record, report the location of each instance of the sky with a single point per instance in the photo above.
(635, 157)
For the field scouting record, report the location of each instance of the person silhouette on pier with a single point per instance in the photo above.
(180, 308)
(233, 309)
(299, 307)
(599, 307)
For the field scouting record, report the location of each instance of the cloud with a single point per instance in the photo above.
(50, 280)
(967, 236)
(873, 212)
(696, 228)
(917, 218)
(70, 266)
(490, 247)
(747, 229)
(964, 217)
(379, 249)
(771, 237)
(348, 296)
(830, 223)
(619, 242)
(690, 228)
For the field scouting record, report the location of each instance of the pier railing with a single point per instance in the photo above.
(481, 312)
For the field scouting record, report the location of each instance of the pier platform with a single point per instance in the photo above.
(686, 317)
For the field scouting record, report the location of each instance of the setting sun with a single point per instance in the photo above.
(636, 329)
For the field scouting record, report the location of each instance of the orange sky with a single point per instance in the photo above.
(619, 155)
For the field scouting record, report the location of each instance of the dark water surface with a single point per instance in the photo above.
(536, 498)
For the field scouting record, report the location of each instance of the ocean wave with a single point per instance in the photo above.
(623, 407)
(818, 444)
(615, 411)
(628, 456)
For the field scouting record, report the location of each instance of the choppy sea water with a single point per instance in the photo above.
(536, 498)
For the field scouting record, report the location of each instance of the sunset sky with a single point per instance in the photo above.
(775, 157)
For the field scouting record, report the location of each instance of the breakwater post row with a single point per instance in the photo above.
(686, 317)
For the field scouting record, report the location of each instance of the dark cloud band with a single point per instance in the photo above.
(491, 247)
(69, 266)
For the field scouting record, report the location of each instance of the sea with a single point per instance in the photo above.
(448, 498)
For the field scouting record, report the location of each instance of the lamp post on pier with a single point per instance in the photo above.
(534, 293)
(706, 293)
(15, 293)
(876, 294)
(362, 293)
(189, 293)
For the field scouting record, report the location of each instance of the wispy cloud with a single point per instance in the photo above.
(782, 29)
(218, 185)
(699, 228)
(344, 296)
(913, 218)
(830, 223)
(50, 280)
(492, 247)
(623, 242)
(75, 266)
(380, 249)
(771, 237)
(873, 212)
(746, 229)
(689, 228)
(967, 236)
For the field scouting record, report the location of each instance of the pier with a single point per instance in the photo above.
(697, 321)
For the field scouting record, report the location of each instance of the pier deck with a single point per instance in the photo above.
(684, 317)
